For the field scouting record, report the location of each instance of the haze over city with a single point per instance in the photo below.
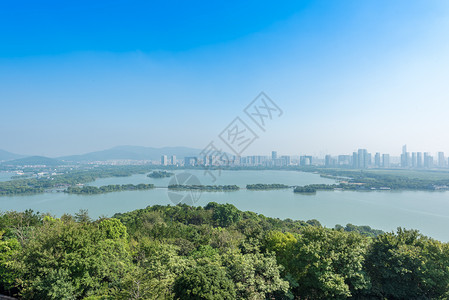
(347, 75)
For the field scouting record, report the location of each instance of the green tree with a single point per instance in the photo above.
(256, 276)
(321, 263)
(224, 214)
(113, 229)
(8, 250)
(407, 265)
(204, 282)
(66, 260)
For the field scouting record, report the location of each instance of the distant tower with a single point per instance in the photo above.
(164, 160)
(428, 160)
(274, 155)
(173, 160)
(386, 160)
(355, 160)
(377, 160)
(419, 161)
(404, 157)
(363, 158)
(441, 160)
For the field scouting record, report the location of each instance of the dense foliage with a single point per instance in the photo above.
(304, 189)
(393, 179)
(262, 186)
(160, 174)
(71, 178)
(215, 252)
(206, 188)
(93, 190)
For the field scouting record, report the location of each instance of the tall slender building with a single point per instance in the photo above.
(419, 161)
(164, 160)
(386, 160)
(414, 160)
(377, 160)
(428, 160)
(274, 155)
(405, 157)
(441, 160)
(363, 158)
(355, 160)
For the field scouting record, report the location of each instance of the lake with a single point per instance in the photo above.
(386, 210)
(5, 176)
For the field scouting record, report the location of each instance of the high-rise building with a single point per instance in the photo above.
(419, 161)
(414, 160)
(363, 158)
(286, 160)
(164, 160)
(274, 155)
(386, 160)
(305, 160)
(173, 160)
(355, 160)
(428, 160)
(328, 160)
(441, 160)
(377, 160)
(344, 160)
(190, 161)
(405, 157)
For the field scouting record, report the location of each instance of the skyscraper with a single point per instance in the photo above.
(355, 160)
(286, 160)
(363, 158)
(164, 160)
(305, 160)
(419, 161)
(441, 160)
(428, 160)
(173, 160)
(405, 157)
(274, 155)
(344, 160)
(377, 160)
(386, 160)
(414, 160)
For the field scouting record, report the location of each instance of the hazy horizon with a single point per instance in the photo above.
(347, 75)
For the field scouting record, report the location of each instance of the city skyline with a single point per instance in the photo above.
(360, 159)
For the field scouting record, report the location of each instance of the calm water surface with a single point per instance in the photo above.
(386, 210)
(5, 176)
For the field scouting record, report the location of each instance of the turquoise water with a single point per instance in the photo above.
(5, 176)
(386, 210)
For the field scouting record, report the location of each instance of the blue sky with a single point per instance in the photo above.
(78, 77)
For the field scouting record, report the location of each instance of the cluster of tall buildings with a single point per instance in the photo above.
(166, 162)
(250, 161)
(422, 160)
(360, 159)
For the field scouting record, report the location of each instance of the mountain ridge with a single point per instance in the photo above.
(34, 160)
(132, 153)
(6, 155)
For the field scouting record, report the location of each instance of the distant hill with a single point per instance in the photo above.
(5, 155)
(133, 153)
(34, 160)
